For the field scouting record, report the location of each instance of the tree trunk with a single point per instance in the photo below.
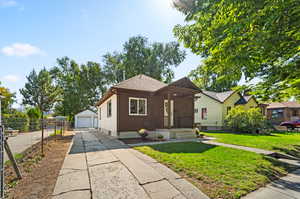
(42, 141)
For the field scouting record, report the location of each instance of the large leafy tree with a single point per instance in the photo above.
(81, 85)
(8, 99)
(141, 57)
(40, 92)
(254, 38)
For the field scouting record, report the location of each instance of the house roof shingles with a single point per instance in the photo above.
(283, 105)
(221, 97)
(141, 83)
(145, 83)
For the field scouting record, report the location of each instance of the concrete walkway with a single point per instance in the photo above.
(287, 187)
(101, 167)
(255, 150)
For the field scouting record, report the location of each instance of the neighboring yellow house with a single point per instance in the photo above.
(211, 108)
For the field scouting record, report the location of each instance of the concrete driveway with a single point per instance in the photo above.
(23, 141)
(101, 167)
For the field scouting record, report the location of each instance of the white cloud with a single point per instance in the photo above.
(21, 49)
(11, 78)
(8, 3)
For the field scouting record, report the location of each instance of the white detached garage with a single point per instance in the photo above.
(86, 119)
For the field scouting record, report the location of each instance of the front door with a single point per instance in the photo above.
(166, 113)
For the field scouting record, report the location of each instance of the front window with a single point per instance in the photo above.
(137, 106)
(294, 114)
(277, 113)
(204, 113)
(109, 108)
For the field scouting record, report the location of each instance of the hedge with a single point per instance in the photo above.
(16, 121)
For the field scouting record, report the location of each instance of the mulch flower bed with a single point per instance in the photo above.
(39, 173)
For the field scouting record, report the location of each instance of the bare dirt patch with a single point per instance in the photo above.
(39, 172)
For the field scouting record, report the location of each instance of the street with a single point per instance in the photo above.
(22, 141)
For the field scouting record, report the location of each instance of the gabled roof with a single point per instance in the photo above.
(283, 105)
(247, 97)
(185, 83)
(145, 83)
(244, 99)
(141, 83)
(219, 96)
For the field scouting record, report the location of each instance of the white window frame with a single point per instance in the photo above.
(138, 104)
(107, 109)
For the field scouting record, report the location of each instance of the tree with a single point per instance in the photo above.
(39, 91)
(141, 57)
(205, 79)
(81, 85)
(8, 99)
(254, 38)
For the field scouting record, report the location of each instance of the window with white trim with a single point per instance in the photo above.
(109, 108)
(204, 113)
(137, 106)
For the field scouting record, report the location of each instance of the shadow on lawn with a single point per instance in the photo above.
(183, 147)
(274, 175)
(293, 152)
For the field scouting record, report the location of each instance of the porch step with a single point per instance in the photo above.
(185, 135)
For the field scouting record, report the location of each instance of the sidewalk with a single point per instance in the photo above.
(101, 167)
(255, 150)
(287, 187)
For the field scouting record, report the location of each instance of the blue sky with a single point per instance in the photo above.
(34, 33)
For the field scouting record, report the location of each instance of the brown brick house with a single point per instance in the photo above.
(143, 102)
(283, 111)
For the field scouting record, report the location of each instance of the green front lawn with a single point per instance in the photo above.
(288, 143)
(220, 172)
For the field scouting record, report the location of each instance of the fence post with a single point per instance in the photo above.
(55, 129)
(12, 159)
(1, 154)
(1, 160)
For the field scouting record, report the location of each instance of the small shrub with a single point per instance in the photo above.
(247, 121)
(160, 136)
(197, 131)
(143, 133)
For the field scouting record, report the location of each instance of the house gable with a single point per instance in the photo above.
(214, 110)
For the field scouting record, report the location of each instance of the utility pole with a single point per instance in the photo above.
(124, 78)
(1, 155)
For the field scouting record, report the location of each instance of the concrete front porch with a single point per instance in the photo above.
(172, 133)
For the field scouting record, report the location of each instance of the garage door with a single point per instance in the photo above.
(84, 122)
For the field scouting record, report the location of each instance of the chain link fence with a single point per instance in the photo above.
(1, 162)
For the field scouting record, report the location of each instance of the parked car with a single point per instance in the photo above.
(291, 124)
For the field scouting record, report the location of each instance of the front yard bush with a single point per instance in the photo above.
(34, 115)
(16, 121)
(246, 121)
